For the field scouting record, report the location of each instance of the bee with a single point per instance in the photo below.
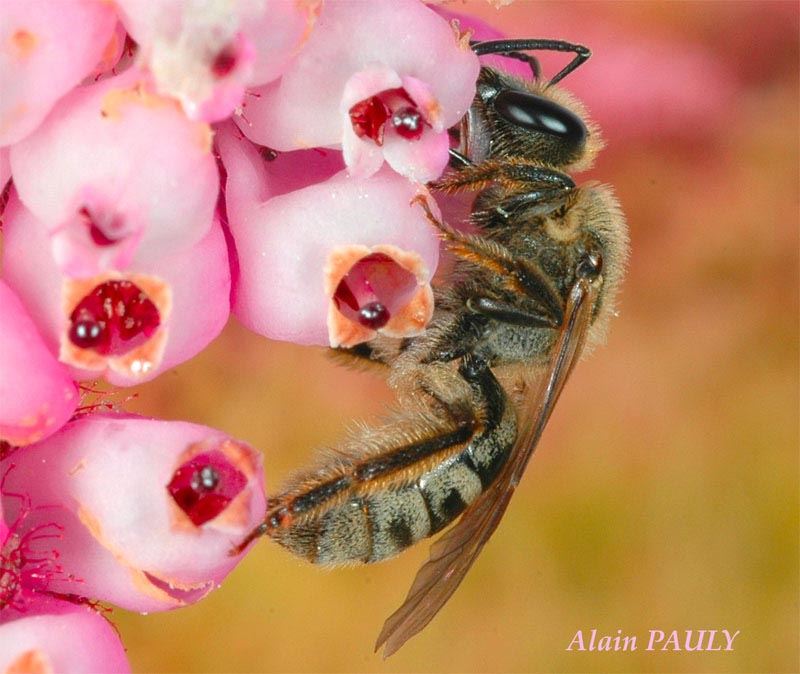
(528, 294)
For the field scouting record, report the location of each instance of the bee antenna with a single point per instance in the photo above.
(510, 47)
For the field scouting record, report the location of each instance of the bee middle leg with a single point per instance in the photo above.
(513, 314)
(361, 357)
(377, 355)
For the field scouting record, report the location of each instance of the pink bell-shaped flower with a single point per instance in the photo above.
(117, 175)
(126, 326)
(147, 511)
(48, 48)
(61, 638)
(396, 77)
(205, 53)
(332, 263)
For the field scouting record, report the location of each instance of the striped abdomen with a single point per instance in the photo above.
(381, 505)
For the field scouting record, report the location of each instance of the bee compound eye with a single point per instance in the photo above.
(590, 265)
(536, 113)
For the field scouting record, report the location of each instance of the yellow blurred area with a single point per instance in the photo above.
(664, 494)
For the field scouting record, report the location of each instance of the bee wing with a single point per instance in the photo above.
(454, 553)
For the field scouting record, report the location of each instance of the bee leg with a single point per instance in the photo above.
(458, 160)
(520, 275)
(362, 504)
(534, 198)
(509, 313)
(361, 356)
(506, 47)
(511, 175)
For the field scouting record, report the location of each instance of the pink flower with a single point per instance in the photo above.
(48, 48)
(28, 557)
(147, 511)
(61, 638)
(206, 53)
(121, 257)
(332, 263)
(396, 76)
(115, 57)
(41, 631)
(480, 31)
(117, 175)
(5, 168)
(126, 326)
(38, 396)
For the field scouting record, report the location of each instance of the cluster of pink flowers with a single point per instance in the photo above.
(163, 164)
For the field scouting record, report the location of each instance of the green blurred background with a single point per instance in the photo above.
(664, 494)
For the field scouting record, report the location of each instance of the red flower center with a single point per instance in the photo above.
(374, 289)
(370, 116)
(114, 318)
(225, 61)
(205, 485)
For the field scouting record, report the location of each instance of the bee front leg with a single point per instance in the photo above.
(549, 199)
(512, 176)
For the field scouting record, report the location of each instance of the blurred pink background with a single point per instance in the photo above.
(664, 494)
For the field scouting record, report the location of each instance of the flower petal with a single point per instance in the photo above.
(422, 160)
(205, 52)
(64, 638)
(198, 281)
(283, 243)
(48, 49)
(37, 393)
(5, 168)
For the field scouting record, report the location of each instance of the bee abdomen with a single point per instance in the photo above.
(381, 524)
(447, 490)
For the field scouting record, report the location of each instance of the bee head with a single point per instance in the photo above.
(516, 118)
